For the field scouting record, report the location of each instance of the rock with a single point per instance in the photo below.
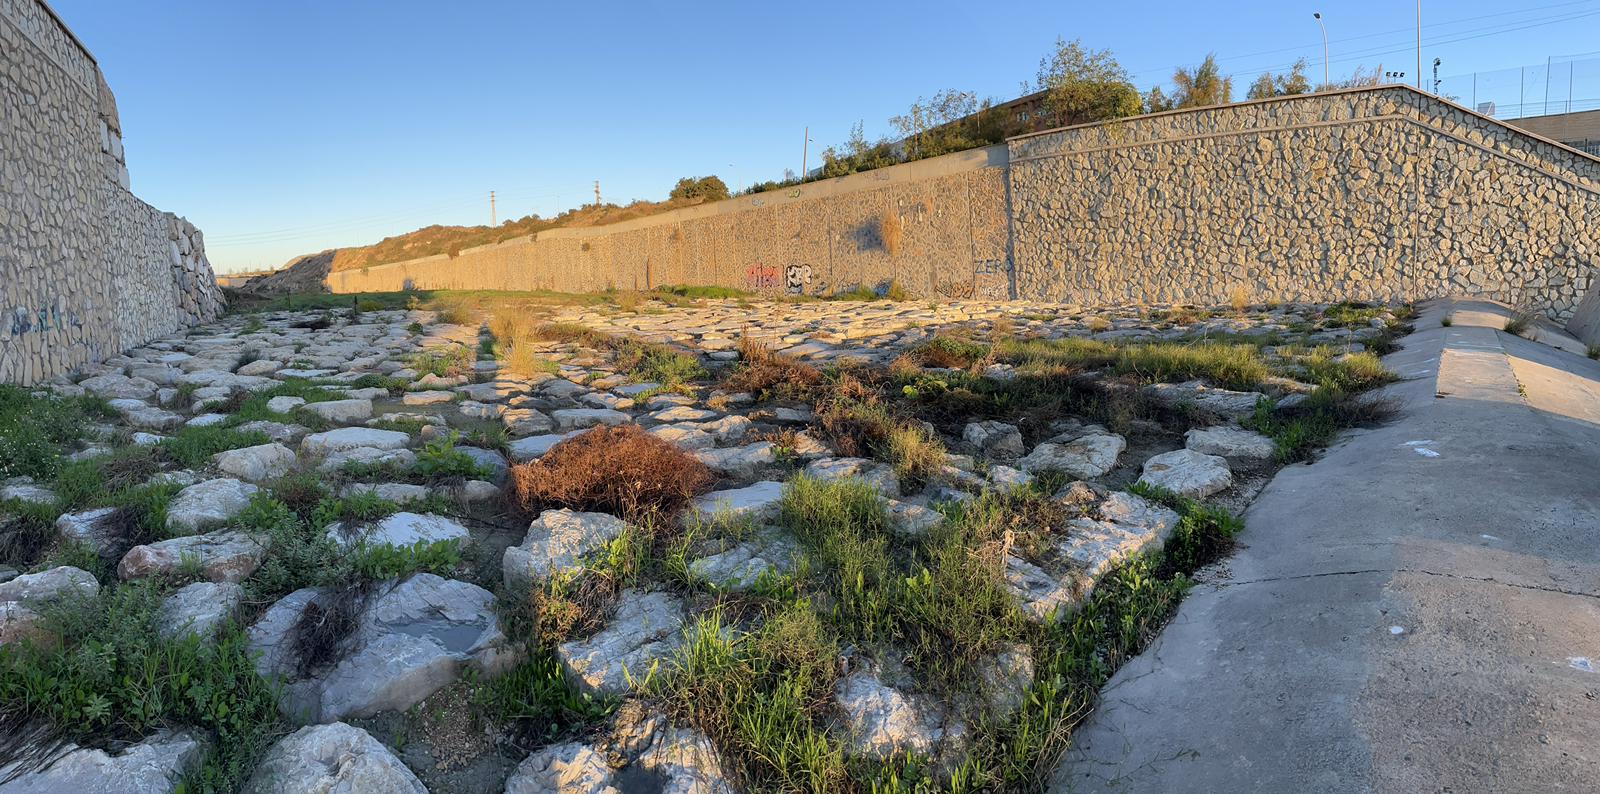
(473, 491)
(647, 629)
(1221, 402)
(569, 768)
(27, 492)
(19, 623)
(578, 418)
(412, 637)
(284, 404)
(492, 392)
(1128, 525)
(878, 475)
(153, 766)
(995, 439)
(343, 412)
(526, 421)
(911, 520)
(198, 609)
(1187, 473)
(557, 541)
(50, 585)
(1006, 678)
(1007, 477)
(336, 758)
(146, 417)
(757, 502)
(227, 556)
(1040, 595)
(493, 463)
(256, 464)
(259, 367)
(883, 722)
(401, 530)
(207, 420)
(682, 413)
(277, 431)
(368, 456)
(1086, 457)
(428, 397)
(113, 386)
(351, 438)
(397, 492)
(533, 447)
(1230, 442)
(685, 437)
(91, 527)
(767, 553)
(728, 429)
(208, 505)
(741, 462)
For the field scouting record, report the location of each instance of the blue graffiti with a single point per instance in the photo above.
(24, 320)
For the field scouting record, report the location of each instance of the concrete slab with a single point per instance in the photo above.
(1412, 612)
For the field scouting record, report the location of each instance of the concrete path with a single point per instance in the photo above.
(1418, 611)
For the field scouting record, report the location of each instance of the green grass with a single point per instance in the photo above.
(1300, 430)
(444, 361)
(702, 292)
(535, 702)
(115, 678)
(860, 292)
(1350, 314)
(34, 430)
(439, 460)
(192, 447)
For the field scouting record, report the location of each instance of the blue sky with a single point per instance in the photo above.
(285, 127)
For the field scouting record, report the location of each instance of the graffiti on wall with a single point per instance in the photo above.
(23, 320)
(797, 279)
(761, 277)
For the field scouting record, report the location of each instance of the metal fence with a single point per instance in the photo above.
(1562, 84)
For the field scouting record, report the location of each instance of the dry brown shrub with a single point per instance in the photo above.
(762, 371)
(621, 470)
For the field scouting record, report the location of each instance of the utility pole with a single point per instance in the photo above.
(1419, 45)
(597, 192)
(491, 208)
(805, 154)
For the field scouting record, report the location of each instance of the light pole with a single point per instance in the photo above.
(1318, 16)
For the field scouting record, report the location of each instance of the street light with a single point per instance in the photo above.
(1318, 16)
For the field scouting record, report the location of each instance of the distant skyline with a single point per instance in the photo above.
(288, 127)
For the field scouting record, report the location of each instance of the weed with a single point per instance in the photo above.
(192, 447)
(890, 232)
(1448, 320)
(26, 530)
(765, 374)
(950, 352)
(1520, 322)
(445, 361)
(1593, 352)
(1239, 299)
(535, 701)
(379, 562)
(860, 292)
(1299, 430)
(34, 429)
(621, 470)
(896, 291)
(702, 292)
(439, 462)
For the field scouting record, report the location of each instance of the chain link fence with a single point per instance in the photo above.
(1562, 84)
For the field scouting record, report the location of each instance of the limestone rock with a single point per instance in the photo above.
(1188, 473)
(208, 504)
(401, 530)
(49, 585)
(412, 637)
(256, 464)
(568, 768)
(198, 609)
(153, 766)
(768, 553)
(533, 447)
(1222, 402)
(343, 412)
(1230, 442)
(757, 502)
(739, 462)
(557, 541)
(578, 418)
(334, 758)
(227, 556)
(1086, 457)
(351, 438)
(994, 439)
(647, 629)
(879, 475)
(882, 721)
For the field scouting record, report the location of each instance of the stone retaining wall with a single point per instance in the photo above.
(1370, 194)
(86, 269)
(1379, 193)
(817, 239)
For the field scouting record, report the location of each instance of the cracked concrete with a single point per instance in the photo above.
(1398, 620)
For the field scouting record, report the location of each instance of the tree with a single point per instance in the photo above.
(1268, 85)
(938, 116)
(1157, 101)
(709, 188)
(1084, 85)
(1204, 86)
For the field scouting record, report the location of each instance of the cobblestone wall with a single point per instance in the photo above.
(86, 269)
(1368, 194)
(946, 235)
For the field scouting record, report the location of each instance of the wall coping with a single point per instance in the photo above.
(61, 23)
(1400, 87)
